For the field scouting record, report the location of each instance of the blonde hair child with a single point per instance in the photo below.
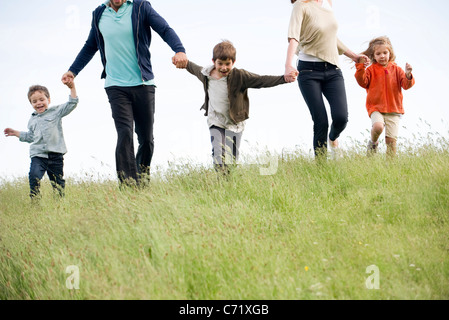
(383, 81)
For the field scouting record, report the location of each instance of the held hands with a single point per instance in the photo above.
(180, 60)
(363, 59)
(408, 71)
(68, 79)
(290, 74)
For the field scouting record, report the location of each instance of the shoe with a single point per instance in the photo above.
(335, 151)
(372, 148)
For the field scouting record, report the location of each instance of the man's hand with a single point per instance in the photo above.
(68, 79)
(180, 60)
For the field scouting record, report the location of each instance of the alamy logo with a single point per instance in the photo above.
(373, 17)
(73, 281)
(72, 21)
(229, 143)
(373, 281)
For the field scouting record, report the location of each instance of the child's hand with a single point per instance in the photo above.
(180, 60)
(11, 132)
(290, 74)
(408, 71)
(70, 84)
(365, 60)
(68, 78)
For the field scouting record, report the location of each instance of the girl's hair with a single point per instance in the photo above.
(224, 50)
(35, 88)
(384, 40)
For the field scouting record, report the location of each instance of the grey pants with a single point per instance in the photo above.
(225, 146)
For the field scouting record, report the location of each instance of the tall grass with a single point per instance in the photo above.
(310, 231)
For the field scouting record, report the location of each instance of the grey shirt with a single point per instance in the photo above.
(45, 130)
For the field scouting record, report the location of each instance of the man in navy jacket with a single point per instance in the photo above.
(121, 30)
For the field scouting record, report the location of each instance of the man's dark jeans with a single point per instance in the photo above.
(54, 166)
(133, 106)
(315, 80)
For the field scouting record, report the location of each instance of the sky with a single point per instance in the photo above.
(40, 41)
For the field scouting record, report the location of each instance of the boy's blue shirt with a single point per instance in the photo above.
(144, 18)
(45, 130)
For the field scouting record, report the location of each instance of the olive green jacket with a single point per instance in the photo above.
(239, 81)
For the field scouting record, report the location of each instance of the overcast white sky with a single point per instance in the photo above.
(40, 41)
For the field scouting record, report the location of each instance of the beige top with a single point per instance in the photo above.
(315, 29)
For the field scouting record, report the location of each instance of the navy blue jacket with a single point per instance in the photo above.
(144, 18)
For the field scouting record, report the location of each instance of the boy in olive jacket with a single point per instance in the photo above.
(226, 102)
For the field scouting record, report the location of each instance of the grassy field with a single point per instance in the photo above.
(356, 228)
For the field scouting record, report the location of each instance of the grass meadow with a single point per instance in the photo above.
(356, 228)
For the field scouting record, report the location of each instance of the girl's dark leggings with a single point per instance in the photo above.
(318, 79)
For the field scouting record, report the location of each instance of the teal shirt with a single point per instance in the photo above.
(122, 68)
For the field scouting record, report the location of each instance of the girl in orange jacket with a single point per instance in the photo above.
(383, 81)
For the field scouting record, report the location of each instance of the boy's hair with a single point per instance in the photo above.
(384, 40)
(224, 50)
(40, 88)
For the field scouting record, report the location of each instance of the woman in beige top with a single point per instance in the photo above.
(312, 36)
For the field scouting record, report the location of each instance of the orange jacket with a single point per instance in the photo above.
(383, 85)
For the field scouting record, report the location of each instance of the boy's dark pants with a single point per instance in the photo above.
(315, 80)
(54, 166)
(133, 105)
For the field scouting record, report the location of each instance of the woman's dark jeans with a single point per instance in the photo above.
(54, 166)
(315, 80)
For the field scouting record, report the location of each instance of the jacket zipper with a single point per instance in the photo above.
(97, 29)
(137, 42)
(386, 89)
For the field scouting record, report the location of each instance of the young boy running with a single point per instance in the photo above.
(226, 101)
(46, 137)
